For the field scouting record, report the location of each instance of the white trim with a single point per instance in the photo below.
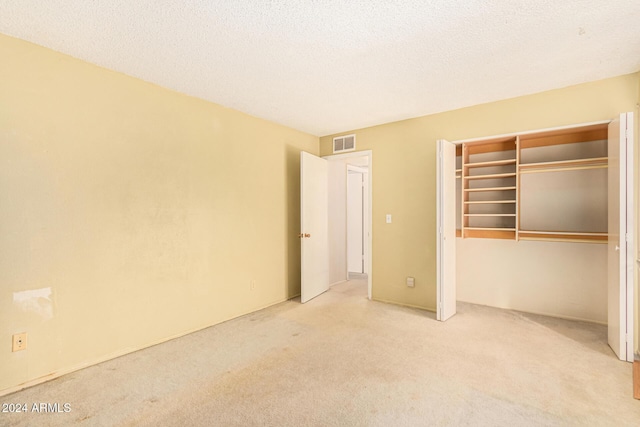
(439, 230)
(630, 253)
(369, 256)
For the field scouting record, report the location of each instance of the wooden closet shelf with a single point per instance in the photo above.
(564, 236)
(571, 233)
(490, 233)
(564, 136)
(576, 164)
(501, 214)
(490, 189)
(489, 229)
(491, 163)
(487, 202)
(492, 176)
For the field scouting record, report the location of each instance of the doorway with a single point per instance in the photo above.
(350, 234)
(357, 178)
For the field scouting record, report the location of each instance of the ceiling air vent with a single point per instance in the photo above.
(344, 143)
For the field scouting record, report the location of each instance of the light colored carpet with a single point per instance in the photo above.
(341, 360)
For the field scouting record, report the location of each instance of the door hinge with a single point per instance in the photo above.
(628, 338)
(627, 237)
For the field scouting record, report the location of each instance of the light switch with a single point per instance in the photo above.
(388, 218)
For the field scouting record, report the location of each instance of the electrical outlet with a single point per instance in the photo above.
(411, 282)
(19, 342)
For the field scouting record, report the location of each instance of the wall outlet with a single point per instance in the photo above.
(411, 282)
(19, 342)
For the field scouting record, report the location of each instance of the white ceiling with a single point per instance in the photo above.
(329, 66)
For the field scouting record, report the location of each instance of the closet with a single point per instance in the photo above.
(542, 222)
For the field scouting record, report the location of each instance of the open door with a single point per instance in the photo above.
(446, 230)
(620, 229)
(314, 223)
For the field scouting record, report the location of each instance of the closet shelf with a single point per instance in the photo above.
(501, 214)
(487, 202)
(489, 189)
(491, 163)
(576, 164)
(489, 229)
(564, 236)
(490, 233)
(494, 180)
(492, 176)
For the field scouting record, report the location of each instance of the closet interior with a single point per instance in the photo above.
(549, 185)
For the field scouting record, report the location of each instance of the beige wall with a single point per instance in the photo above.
(404, 177)
(559, 279)
(130, 214)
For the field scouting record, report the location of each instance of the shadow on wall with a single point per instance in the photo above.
(292, 220)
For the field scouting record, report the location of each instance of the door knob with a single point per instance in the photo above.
(301, 235)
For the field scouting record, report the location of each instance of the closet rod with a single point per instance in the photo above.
(576, 168)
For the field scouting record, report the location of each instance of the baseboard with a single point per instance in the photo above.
(636, 379)
(539, 313)
(121, 353)
(432, 310)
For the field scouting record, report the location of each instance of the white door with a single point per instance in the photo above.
(314, 223)
(446, 230)
(355, 221)
(620, 245)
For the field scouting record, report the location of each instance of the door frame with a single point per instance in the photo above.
(368, 211)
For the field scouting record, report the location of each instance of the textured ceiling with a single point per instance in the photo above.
(329, 66)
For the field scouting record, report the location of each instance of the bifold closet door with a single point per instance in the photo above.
(620, 239)
(446, 230)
